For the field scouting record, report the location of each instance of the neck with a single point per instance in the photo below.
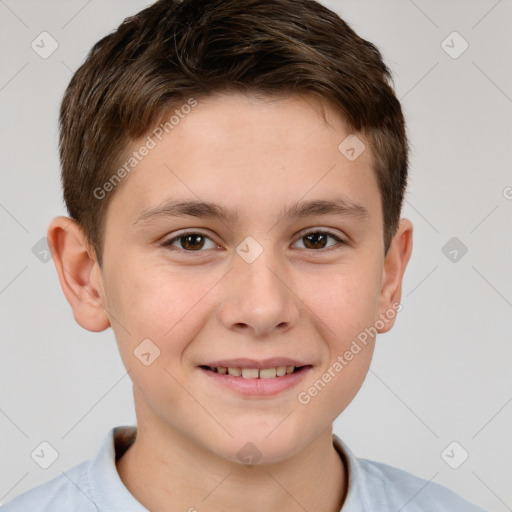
(176, 470)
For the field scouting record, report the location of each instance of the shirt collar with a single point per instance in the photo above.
(355, 499)
(108, 490)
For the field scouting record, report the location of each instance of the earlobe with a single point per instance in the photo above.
(395, 264)
(79, 273)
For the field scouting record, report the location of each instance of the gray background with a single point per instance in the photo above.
(441, 375)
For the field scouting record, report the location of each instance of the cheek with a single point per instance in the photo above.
(345, 302)
(157, 312)
(346, 312)
(160, 303)
(348, 308)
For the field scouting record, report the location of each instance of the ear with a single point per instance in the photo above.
(395, 263)
(79, 273)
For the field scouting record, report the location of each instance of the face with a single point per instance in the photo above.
(272, 283)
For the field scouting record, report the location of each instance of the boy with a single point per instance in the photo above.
(234, 171)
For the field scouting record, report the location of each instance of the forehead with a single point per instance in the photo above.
(251, 154)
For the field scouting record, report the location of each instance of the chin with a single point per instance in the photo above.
(259, 446)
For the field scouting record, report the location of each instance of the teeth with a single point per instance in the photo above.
(250, 373)
(280, 371)
(254, 373)
(268, 373)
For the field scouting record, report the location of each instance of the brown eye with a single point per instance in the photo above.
(318, 239)
(189, 242)
(192, 241)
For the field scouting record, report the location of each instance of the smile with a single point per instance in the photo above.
(255, 373)
(255, 379)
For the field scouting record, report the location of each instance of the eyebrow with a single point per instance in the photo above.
(206, 209)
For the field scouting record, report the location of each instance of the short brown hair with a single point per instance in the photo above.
(175, 50)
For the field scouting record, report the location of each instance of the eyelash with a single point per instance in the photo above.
(168, 243)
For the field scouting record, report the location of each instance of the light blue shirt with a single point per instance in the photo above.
(95, 485)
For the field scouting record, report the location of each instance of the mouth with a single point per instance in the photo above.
(255, 373)
(256, 379)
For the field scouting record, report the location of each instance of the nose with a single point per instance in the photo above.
(258, 298)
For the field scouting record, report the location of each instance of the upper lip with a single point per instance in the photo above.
(272, 362)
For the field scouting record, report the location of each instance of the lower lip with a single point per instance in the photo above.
(258, 387)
